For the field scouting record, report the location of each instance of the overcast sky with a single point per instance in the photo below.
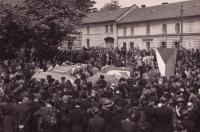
(127, 3)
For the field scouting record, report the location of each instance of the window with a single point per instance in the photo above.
(148, 46)
(132, 30)
(164, 29)
(177, 28)
(111, 28)
(88, 30)
(163, 45)
(148, 29)
(124, 31)
(70, 44)
(190, 27)
(176, 45)
(131, 45)
(124, 44)
(88, 43)
(106, 28)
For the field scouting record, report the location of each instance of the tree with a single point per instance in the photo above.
(85, 5)
(38, 23)
(111, 6)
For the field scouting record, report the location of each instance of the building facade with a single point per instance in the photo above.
(99, 29)
(146, 27)
(160, 33)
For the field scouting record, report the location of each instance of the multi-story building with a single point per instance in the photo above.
(100, 28)
(148, 27)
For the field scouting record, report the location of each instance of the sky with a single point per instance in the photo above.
(127, 3)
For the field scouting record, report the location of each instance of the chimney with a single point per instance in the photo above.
(165, 3)
(143, 6)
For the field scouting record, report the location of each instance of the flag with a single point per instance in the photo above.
(166, 58)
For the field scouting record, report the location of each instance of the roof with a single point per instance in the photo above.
(104, 16)
(12, 2)
(166, 11)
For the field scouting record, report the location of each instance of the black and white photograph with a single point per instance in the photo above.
(99, 65)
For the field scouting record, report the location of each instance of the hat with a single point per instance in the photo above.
(56, 82)
(108, 103)
(180, 99)
(49, 76)
(191, 88)
(6, 81)
(63, 78)
(65, 98)
(25, 94)
(96, 111)
(77, 101)
(123, 79)
(37, 96)
(185, 112)
(117, 92)
(112, 86)
(190, 106)
(102, 76)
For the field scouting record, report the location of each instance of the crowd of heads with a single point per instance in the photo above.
(131, 97)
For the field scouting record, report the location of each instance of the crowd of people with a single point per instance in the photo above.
(145, 102)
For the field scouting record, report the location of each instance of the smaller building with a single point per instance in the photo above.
(99, 29)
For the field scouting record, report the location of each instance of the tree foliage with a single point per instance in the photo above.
(85, 5)
(35, 23)
(110, 6)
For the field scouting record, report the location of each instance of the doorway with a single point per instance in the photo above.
(148, 46)
(109, 42)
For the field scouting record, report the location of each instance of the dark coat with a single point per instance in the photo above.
(85, 104)
(102, 83)
(128, 126)
(35, 106)
(78, 118)
(150, 113)
(96, 124)
(7, 123)
(116, 122)
(163, 119)
(190, 125)
(124, 88)
(21, 114)
(107, 115)
(144, 128)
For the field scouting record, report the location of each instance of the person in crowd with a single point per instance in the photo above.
(78, 117)
(96, 124)
(143, 102)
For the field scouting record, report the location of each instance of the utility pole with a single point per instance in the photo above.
(181, 37)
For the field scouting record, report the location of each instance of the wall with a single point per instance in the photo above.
(97, 34)
(191, 33)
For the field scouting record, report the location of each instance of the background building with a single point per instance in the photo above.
(100, 28)
(145, 27)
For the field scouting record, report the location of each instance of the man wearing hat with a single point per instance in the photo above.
(96, 124)
(117, 118)
(107, 114)
(65, 119)
(163, 117)
(63, 83)
(35, 106)
(78, 116)
(190, 125)
(22, 114)
(123, 87)
(101, 82)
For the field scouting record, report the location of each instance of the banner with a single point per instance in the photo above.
(166, 58)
